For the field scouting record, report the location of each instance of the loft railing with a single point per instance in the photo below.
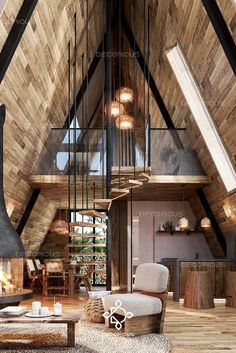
(169, 157)
(70, 150)
(83, 152)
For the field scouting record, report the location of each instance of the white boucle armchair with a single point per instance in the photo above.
(147, 303)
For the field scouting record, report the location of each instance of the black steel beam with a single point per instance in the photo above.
(150, 80)
(98, 55)
(83, 87)
(210, 215)
(28, 211)
(222, 31)
(15, 35)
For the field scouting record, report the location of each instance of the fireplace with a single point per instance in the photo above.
(11, 275)
(11, 247)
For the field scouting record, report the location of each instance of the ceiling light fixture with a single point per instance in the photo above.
(125, 122)
(229, 211)
(59, 227)
(183, 223)
(125, 95)
(205, 223)
(116, 108)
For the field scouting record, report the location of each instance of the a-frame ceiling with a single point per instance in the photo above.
(34, 88)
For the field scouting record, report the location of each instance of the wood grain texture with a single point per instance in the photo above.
(119, 243)
(37, 226)
(217, 275)
(198, 291)
(190, 330)
(186, 22)
(34, 91)
(231, 289)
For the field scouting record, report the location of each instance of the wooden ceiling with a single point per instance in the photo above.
(187, 23)
(34, 88)
(34, 91)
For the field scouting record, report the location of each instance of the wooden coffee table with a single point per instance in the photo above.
(69, 319)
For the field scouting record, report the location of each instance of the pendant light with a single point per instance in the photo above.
(124, 95)
(59, 226)
(183, 221)
(116, 109)
(125, 122)
(205, 223)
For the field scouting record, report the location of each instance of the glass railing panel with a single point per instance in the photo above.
(171, 153)
(67, 150)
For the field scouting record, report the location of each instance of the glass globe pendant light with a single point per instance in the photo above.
(124, 122)
(124, 95)
(116, 109)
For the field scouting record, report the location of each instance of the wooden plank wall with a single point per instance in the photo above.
(119, 243)
(56, 245)
(37, 226)
(34, 91)
(7, 18)
(188, 23)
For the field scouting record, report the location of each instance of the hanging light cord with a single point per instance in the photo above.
(69, 132)
(74, 125)
(87, 138)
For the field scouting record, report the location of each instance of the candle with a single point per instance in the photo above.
(36, 306)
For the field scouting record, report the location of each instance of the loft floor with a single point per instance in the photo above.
(191, 331)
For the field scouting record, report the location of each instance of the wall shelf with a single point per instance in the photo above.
(187, 232)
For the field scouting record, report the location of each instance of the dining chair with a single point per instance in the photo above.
(83, 277)
(54, 275)
(34, 277)
(39, 267)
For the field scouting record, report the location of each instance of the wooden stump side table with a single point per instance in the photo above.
(231, 289)
(198, 291)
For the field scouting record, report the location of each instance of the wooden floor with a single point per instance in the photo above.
(191, 331)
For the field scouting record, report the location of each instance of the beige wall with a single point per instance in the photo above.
(152, 245)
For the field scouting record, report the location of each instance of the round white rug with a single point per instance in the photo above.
(90, 338)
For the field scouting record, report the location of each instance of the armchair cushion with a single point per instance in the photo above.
(151, 277)
(136, 303)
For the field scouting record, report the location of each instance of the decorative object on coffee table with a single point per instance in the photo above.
(198, 291)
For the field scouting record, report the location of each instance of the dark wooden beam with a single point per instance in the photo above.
(15, 35)
(210, 215)
(149, 79)
(28, 211)
(222, 31)
(108, 74)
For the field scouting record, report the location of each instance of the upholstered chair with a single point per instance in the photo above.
(146, 305)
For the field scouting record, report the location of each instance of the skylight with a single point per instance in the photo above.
(202, 116)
